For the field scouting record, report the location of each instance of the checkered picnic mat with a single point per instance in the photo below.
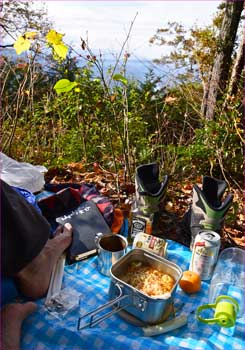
(41, 331)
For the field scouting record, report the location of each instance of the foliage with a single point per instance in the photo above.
(194, 48)
(22, 44)
(18, 17)
(64, 85)
(163, 125)
(62, 114)
(66, 113)
(54, 39)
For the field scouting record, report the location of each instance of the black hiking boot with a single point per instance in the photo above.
(150, 192)
(207, 211)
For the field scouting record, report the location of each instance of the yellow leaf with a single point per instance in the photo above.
(112, 98)
(54, 37)
(30, 35)
(21, 45)
(170, 99)
(77, 89)
(61, 50)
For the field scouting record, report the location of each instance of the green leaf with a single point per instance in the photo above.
(21, 45)
(64, 85)
(60, 50)
(121, 78)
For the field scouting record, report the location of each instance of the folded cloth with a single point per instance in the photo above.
(29, 197)
(68, 196)
(117, 221)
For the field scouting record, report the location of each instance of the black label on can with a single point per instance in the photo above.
(138, 225)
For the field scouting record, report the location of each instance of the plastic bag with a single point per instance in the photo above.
(63, 302)
(20, 174)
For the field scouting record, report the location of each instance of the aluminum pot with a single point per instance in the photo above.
(150, 310)
(127, 299)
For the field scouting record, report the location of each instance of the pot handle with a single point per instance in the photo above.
(97, 239)
(92, 322)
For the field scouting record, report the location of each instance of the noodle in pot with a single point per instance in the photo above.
(147, 279)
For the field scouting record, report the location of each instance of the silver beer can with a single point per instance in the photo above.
(205, 253)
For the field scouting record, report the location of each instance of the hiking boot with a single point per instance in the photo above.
(149, 190)
(207, 211)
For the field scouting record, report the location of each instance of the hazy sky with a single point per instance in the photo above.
(106, 23)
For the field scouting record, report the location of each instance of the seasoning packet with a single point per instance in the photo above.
(152, 243)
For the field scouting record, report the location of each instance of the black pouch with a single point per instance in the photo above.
(86, 221)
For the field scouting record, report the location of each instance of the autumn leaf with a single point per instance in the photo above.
(21, 45)
(30, 35)
(53, 37)
(83, 45)
(21, 65)
(120, 195)
(170, 99)
(60, 50)
(187, 188)
(112, 98)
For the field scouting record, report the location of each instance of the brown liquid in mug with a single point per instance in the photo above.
(112, 243)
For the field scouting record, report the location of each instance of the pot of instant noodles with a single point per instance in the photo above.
(142, 289)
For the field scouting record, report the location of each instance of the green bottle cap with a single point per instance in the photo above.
(226, 309)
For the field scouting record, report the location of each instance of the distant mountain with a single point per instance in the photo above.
(136, 68)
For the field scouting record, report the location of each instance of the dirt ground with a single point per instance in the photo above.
(178, 199)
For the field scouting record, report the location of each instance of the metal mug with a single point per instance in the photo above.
(111, 247)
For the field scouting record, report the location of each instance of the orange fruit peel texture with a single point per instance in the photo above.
(190, 282)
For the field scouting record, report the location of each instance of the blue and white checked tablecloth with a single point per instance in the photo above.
(41, 331)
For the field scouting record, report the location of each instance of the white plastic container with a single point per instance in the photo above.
(229, 277)
(226, 291)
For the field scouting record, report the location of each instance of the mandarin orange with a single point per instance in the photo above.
(190, 282)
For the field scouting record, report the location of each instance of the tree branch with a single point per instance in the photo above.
(4, 46)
